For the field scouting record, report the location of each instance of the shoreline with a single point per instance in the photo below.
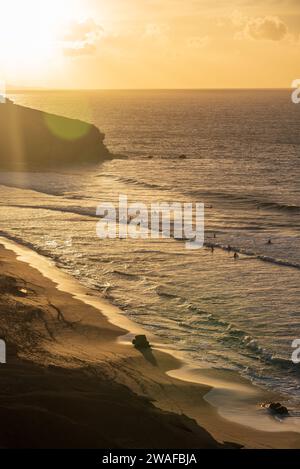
(160, 378)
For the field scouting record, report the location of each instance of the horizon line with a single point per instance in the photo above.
(16, 89)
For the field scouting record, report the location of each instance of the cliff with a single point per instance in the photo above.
(35, 140)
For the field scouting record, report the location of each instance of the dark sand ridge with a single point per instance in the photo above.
(72, 383)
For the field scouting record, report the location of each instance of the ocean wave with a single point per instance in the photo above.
(246, 341)
(84, 211)
(135, 182)
(236, 338)
(129, 275)
(254, 255)
(252, 199)
(90, 212)
(167, 294)
(247, 199)
(32, 188)
(280, 206)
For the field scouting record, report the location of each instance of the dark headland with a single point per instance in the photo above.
(35, 140)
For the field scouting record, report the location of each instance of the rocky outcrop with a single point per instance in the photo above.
(35, 140)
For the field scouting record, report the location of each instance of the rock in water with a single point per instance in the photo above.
(141, 342)
(35, 140)
(277, 408)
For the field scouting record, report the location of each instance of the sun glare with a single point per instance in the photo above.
(30, 31)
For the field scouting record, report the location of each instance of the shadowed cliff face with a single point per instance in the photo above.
(31, 139)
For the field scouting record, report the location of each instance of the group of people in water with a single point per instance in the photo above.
(229, 248)
(236, 255)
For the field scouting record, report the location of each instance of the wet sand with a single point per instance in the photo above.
(71, 381)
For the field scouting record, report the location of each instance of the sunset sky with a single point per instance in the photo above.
(150, 43)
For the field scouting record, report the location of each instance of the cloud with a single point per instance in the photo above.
(198, 42)
(237, 18)
(83, 31)
(156, 31)
(80, 49)
(269, 28)
(81, 38)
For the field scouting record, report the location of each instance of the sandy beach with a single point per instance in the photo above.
(71, 380)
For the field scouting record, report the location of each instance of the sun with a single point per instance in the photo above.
(30, 31)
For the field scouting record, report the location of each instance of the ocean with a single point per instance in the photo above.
(242, 160)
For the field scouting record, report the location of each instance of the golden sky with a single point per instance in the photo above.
(150, 43)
